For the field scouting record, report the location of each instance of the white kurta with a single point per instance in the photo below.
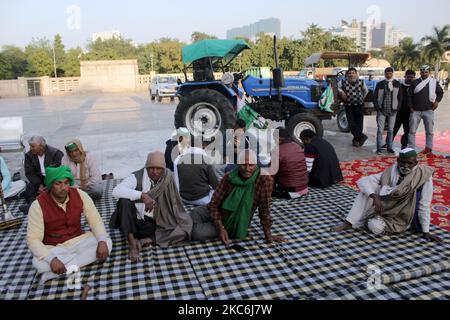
(363, 205)
(127, 190)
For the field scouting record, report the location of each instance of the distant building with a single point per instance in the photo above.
(270, 26)
(107, 35)
(386, 35)
(368, 37)
(354, 30)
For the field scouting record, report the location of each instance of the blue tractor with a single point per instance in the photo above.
(208, 106)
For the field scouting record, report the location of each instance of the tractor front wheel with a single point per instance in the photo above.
(205, 112)
(303, 121)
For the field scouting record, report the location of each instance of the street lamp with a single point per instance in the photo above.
(54, 60)
(151, 59)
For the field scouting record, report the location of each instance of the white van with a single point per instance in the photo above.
(163, 87)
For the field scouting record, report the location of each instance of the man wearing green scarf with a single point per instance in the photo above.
(235, 200)
(55, 235)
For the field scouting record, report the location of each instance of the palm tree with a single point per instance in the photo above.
(408, 54)
(436, 45)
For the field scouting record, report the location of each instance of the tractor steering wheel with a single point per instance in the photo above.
(341, 74)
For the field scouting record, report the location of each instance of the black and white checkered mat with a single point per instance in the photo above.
(313, 264)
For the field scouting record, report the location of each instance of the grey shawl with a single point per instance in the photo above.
(400, 205)
(174, 225)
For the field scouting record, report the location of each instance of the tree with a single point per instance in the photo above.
(14, 63)
(60, 53)
(262, 52)
(39, 63)
(338, 43)
(146, 58)
(72, 62)
(198, 36)
(111, 49)
(4, 68)
(407, 55)
(167, 55)
(315, 38)
(39, 55)
(435, 45)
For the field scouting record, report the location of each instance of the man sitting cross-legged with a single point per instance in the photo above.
(234, 202)
(395, 200)
(149, 210)
(55, 235)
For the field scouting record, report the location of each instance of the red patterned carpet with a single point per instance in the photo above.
(440, 214)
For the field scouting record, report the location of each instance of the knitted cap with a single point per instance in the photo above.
(156, 159)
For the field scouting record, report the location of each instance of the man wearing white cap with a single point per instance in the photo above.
(181, 139)
(395, 200)
(423, 98)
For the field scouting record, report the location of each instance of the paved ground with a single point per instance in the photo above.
(120, 129)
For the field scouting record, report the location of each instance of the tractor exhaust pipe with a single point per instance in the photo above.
(278, 77)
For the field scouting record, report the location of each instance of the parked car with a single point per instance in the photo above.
(163, 87)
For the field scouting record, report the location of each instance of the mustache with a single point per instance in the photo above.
(405, 170)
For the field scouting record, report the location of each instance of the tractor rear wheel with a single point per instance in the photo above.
(205, 112)
(302, 121)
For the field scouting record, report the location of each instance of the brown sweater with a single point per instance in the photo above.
(292, 172)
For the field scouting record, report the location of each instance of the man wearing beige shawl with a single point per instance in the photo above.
(149, 210)
(84, 168)
(395, 200)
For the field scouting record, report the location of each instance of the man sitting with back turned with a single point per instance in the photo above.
(292, 177)
(322, 161)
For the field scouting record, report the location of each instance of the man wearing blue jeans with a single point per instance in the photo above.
(423, 98)
(387, 100)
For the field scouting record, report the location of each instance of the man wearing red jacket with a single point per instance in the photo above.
(55, 235)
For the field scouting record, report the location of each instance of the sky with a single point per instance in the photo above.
(146, 21)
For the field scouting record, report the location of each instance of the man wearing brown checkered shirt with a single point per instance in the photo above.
(234, 202)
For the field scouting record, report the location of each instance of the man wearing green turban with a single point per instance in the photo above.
(55, 236)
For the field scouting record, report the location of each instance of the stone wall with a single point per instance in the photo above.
(108, 76)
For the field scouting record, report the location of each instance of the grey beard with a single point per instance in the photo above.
(404, 171)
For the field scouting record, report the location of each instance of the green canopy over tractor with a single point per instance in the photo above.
(223, 49)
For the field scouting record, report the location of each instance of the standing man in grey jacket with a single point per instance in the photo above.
(387, 100)
(423, 98)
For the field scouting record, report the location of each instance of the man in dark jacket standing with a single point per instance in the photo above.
(423, 99)
(387, 100)
(37, 160)
(404, 112)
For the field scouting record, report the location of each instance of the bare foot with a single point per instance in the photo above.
(145, 243)
(345, 226)
(135, 251)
